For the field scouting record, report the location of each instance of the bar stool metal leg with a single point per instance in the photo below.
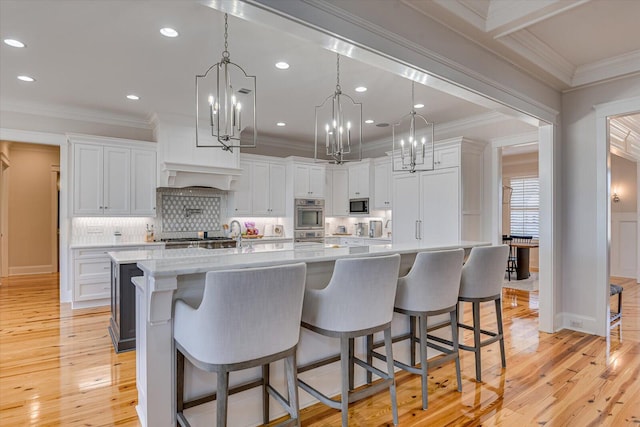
(422, 323)
(222, 396)
(346, 369)
(265, 393)
(391, 373)
(476, 339)
(500, 332)
(454, 341)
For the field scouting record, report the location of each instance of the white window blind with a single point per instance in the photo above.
(525, 206)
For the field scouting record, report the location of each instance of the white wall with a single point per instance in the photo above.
(579, 153)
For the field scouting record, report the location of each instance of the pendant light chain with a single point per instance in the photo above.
(338, 88)
(413, 108)
(225, 52)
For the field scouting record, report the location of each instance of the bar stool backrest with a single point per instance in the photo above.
(360, 294)
(483, 272)
(432, 283)
(245, 314)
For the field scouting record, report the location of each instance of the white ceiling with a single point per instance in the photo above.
(566, 43)
(86, 56)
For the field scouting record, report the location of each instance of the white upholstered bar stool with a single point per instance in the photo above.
(481, 281)
(358, 301)
(429, 289)
(247, 318)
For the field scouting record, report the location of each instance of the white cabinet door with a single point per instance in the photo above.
(241, 198)
(382, 186)
(88, 183)
(406, 208)
(308, 181)
(359, 181)
(143, 182)
(440, 207)
(316, 181)
(260, 188)
(340, 192)
(117, 180)
(328, 193)
(277, 183)
(447, 157)
(301, 181)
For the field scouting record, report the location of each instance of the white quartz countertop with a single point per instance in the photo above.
(160, 254)
(110, 243)
(164, 263)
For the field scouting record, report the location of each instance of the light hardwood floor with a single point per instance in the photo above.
(57, 367)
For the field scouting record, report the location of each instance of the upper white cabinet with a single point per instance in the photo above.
(267, 190)
(382, 184)
(240, 197)
(111, 179)
(260, 190)
(359, 179)
(308, 181)
(143, 182)
(444, 205)
(339, 203)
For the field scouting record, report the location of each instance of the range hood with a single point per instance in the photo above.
(179, 175)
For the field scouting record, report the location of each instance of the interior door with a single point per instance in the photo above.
(406, 207)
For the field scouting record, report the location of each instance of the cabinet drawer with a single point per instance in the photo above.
(92, 290)
(93, 268)
(92, 253)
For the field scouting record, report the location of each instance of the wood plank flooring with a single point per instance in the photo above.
(57, 367)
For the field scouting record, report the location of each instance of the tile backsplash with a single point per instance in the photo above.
(189, 210)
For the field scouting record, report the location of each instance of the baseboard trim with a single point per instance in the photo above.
(32, 269)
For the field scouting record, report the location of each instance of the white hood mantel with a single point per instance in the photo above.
(178, 175)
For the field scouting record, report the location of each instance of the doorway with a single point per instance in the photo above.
(30, 209)
(4, 211)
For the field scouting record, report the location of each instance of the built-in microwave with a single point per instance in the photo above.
(359, 206)
(309, 214)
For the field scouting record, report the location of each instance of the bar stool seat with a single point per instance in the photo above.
(358, 301)
(481, 281)
(247, 318)
(429, 289)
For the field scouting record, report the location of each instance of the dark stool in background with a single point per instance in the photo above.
(616, 317)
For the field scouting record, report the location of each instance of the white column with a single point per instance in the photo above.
(155, 352)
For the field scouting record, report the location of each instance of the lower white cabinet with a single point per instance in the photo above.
(92, 274)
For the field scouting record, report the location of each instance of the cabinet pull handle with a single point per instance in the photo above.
(417, 237)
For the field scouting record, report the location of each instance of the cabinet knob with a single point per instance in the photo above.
(99, 207)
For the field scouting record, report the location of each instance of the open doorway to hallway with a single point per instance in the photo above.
(520, 218)
(29, 211)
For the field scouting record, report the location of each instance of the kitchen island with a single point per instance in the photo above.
(167, 278)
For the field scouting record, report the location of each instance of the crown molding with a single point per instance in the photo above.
(454, 127)
(20, 135)
(627, 63)
(463, 11)
(523, 138)
(72, 113)
(525, 44)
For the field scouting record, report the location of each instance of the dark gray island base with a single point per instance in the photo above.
(122, 326)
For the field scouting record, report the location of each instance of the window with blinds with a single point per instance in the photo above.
(525, 206)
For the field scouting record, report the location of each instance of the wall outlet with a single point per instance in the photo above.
(94, 230)
(576, 323)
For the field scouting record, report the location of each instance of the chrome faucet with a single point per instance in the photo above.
(239, 236)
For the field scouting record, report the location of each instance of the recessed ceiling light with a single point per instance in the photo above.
(168, 32)
(282, 65)
(368, 121)
(133, 97)
(26, 79)
(281, 124)
(418, 106)
(14, 43)
(361, 89)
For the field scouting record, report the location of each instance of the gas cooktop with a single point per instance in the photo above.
(195, 239)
